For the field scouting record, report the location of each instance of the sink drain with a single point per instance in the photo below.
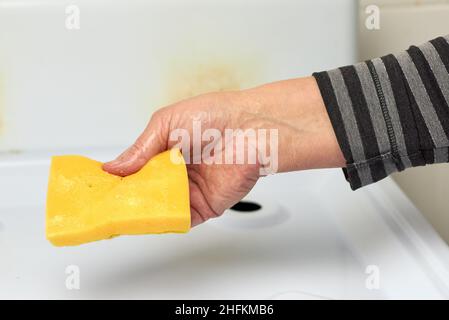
(246, 206)
(252, 213)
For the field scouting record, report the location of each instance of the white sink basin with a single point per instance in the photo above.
(313, 238)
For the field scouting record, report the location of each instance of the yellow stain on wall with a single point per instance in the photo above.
(191, 76)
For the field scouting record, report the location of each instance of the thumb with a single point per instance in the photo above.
(152, 141)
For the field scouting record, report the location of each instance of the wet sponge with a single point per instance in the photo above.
(85, 203)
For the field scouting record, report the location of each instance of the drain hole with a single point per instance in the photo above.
(246, 206)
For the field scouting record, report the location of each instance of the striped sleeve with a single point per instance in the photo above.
(390, 113)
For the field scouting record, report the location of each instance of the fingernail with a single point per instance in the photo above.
(111, 164)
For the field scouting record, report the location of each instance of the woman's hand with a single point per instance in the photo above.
(293, 108)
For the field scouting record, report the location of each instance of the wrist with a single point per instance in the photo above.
(295, 108)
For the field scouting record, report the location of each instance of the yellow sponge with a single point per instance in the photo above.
(85, 203)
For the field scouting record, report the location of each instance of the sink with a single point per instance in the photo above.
(312, 238)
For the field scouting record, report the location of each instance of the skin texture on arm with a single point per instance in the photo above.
(295, 108)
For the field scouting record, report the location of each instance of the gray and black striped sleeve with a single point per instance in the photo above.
(390, 113)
